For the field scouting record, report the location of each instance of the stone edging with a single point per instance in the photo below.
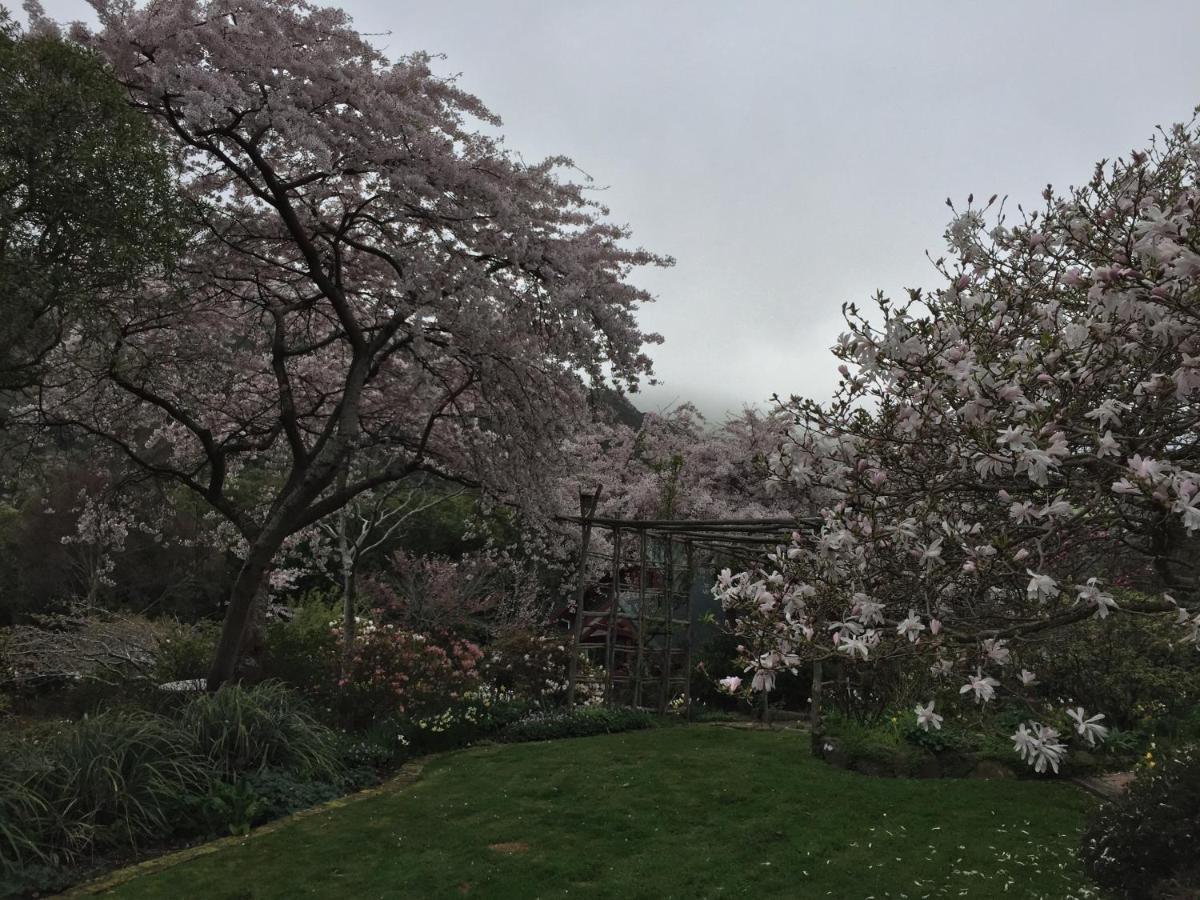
(409, 773)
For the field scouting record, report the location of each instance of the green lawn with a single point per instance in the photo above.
(684, 812)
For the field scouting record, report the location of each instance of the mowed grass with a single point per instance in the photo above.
(685, 812)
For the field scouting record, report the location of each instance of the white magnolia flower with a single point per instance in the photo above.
(853, 645)
(1014, 438)
(1089, 728)
(1028, 679)
(1036, 463)
(942, 668)
(1107, 445)
(997, 651)
(764, 680)
(1040, 748)
(1041, 587)
(1107, 412)
(1091, 594)
(982, 686)
(730, 684)
(911, 627)
(926, 717)
(1022, 741)
(866, 610)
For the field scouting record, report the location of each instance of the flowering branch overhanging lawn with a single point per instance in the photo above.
(671, 812)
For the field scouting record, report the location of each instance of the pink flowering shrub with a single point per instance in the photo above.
(394, 671)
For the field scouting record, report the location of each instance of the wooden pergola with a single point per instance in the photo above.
(650, 596)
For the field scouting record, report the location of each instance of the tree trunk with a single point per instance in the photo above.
(349, 608)
(814, 709)
(348, 559)
(237, 616)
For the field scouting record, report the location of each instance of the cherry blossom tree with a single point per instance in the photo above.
(678, 466)
(1005, 451)
(371, 275)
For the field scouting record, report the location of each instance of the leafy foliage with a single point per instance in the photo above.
(1136, 671)
(1144, 844)
(87, 201)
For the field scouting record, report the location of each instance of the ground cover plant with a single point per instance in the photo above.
(697, 811)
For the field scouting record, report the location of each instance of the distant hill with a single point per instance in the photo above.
(608, 405)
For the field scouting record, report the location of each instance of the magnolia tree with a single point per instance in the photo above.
(1005, 452)
(369, 277)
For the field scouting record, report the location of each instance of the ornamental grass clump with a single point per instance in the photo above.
(243, 730)
(21, 812)
(108, 780)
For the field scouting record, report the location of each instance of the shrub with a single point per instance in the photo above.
(184, 651)
(281, 793)
(225, 808)
(950, 738)
(531, 666)
(582, 722)
(479, 714)
(303, 651)
(1132, 670)
(381, 746)
(394, 671)
(244, 729)
(35, 879)
(255, 798)
(1144, 844)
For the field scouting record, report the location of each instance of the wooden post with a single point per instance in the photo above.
(814, 709)
(610, 641)
(587, 509)
(689, 582)
(641, 644)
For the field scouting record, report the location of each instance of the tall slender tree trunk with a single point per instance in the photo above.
(348, 559)
(349, 610)
(814, 709)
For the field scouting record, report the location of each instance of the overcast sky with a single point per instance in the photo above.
(795, 155)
